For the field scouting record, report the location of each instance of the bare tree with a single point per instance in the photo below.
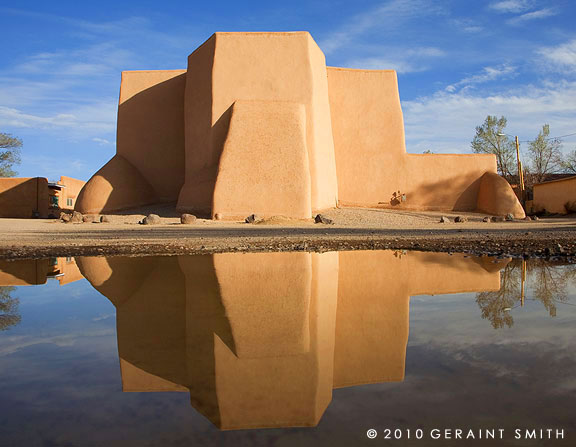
(495, 306)
(548, 284)
(490, 139)
(8, 308)
(569, 162)
(544, 155)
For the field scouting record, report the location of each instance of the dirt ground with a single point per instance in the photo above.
(352, 229)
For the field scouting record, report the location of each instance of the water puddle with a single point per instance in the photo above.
(179, 350)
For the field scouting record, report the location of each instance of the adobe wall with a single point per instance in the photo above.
(23, 272)
(552, 196)
(371, 158)
(149, 163)
(251, 337)
(267, 67)
(21, 197)
(278, 304)
(151, 127)
(495, 196)
(264, 166)
(445, 181)
(374, 289)
(36, 271)
(73, 187)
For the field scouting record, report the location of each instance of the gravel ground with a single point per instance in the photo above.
(352, 229)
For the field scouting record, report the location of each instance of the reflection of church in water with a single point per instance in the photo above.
(261, 339)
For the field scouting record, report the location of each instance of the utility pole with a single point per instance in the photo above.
(520, 173)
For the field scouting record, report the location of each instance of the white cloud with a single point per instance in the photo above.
(468, 25)
(403, 60)
(101, 141)
(95, 118)
(562, 57)
(487, 74)
(391, 15)
(508, 6)
(444, 122)
(534, 15)
(376, 63)
(75, 91)
(16, 343)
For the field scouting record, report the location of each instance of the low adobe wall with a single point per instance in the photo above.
(554, 195)
(22, 197)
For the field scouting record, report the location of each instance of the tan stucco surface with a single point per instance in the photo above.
(149, 164)
(70, 192)
(258, 124)
(261, 339)
(264, 167)
(25, 197)
(371, 158)
(116, 186)
(25, 272)
(497, 197)
(20, 197)
(552, 196)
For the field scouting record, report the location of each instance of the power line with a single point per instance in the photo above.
(549, 138)
(561, 136)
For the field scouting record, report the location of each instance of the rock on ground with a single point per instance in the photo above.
(187, 218)
(323, 219)
(252, 218)
(151, 219)
(76, 217)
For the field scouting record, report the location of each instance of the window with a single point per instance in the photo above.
(69, 202)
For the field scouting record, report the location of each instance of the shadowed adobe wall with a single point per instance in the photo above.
(25, 272)
(552, 196)
(149, 163)
(21, 197)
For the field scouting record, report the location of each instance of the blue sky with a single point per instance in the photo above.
(457, 62)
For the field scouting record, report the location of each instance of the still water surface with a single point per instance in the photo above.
(286, 349)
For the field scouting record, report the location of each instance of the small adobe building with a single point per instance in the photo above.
(555, 196)
(258, 123)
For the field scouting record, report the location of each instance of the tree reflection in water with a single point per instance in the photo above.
(8, 308)
(545, 281)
